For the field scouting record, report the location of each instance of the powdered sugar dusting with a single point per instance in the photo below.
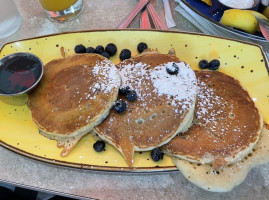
(178, 89)
(132, 75)
(182, 86)
(206, 104)
(108, 77)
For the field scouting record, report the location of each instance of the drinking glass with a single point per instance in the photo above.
(62, 10)
(10, 18)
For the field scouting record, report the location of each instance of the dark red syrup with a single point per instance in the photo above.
(19, 73)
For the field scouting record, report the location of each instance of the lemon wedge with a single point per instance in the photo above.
(266, 12)
(257, 14)
(240, 19)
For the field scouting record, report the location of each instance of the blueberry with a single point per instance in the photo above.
(80, 48)
(156, 154)
(90, 50)
(131, 95)
(214, 64)
(99, 49)
(99, 146)
(203, 64)
(172, 69)
(120, 106)
(125, 54)
(111, 49)
(105, 54)
(141, 47)
(124, 90)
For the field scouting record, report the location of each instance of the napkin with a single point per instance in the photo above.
(208, 27)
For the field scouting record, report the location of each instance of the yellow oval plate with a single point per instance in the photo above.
(244, 61)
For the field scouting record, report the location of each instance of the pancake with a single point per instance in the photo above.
(226, 124)
(164, 105)
(227, 178)
(74, 95)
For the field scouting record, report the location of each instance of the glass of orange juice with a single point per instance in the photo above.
(62, 10)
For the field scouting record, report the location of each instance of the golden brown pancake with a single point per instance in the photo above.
(226, 123)
(75, 94)
(164, 104)
(227, 178)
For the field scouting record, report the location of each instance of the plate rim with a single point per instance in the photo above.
(147, 30)
(112, 169)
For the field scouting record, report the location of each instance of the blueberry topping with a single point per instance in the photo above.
(125, 54)
(131, 95)
(156, 154)
(105, 54)
(99, 49)
(80, 48)
(214, 64)
(124, 90)
(203, 64)
(90, 50)
(172, 69)
(141, 47)
(111, 49)
(120, 106)
(99, 146)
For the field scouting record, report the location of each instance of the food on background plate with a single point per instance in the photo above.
(239, 4)
(75, 94)
(208, 2)
(226, 123)
(244, 20)
(236, 14)
(266, 12)
(240, 19)
(165, 90)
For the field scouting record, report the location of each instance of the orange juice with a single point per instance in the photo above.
(57, 5)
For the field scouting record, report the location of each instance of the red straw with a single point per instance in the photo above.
(158, 23)
(130, 17)
(144, 21)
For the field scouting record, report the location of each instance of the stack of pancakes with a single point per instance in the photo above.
(202, 117)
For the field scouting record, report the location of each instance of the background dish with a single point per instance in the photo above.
(18, 133)
(213, 14)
